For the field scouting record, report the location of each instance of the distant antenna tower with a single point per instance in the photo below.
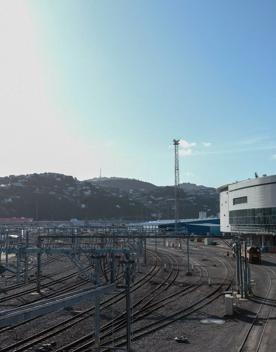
(176, 182)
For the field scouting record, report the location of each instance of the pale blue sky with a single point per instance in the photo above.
(109, 84)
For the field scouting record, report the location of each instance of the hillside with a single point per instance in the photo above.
(51, 196)
(58, 197)
(123, 184)
(160, 200)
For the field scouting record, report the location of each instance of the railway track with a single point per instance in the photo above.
(12, 287)
(144, 307)
(72, 321)
(43, 287)
(31, 287)
(62, 290)
(148, 329)
(254, 335)
(151, 302)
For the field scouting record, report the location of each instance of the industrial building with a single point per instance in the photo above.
(248, 208)
(200, 227)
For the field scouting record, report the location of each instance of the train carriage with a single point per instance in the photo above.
(254, 255)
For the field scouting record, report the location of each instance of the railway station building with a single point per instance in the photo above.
(248, 208)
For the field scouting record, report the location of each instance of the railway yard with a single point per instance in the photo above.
(169, 310)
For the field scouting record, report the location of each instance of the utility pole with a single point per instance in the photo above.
(18, 263)
(245, 269)
(241, 270)
(38, 263)
(128, 307)
(6, 247)
(128, 263)
(238, 266)
(176, 184)
(189, 273)
(97, 305)
(145, 251)
(26, 258)
(112, 268)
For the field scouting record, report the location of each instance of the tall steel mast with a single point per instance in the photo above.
(176, 182)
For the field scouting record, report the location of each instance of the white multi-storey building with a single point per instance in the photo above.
(249, 207)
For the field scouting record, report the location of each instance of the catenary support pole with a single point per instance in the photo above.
(237, 267)
(7, 246)
(188, 256)
(245, 269)
(241, 270)
(18, 264)
(26, 258)
(38, 269)
(97, 306)
(128, 303)
(145, 251)
(112, 268)
(1, 242)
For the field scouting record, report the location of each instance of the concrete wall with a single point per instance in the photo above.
(260, 193)
(224, 212)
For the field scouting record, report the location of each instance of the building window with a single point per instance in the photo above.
(239, 200)
(253, 217)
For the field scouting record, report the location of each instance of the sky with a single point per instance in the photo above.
(90, 85)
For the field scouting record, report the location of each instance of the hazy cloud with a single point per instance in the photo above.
(186, 148)
(203, 148)
(189, 174)
(236, 150)
(253, 140)
(206, 144)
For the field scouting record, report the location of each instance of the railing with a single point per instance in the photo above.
(254, 229)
